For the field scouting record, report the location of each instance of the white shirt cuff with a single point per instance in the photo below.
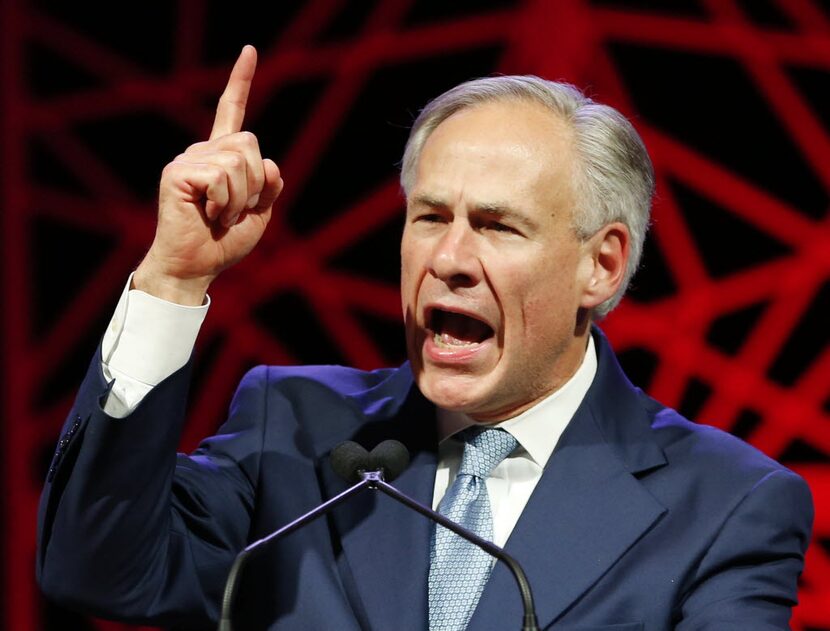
(147, 340)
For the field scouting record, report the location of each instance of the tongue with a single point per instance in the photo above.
(460, 329)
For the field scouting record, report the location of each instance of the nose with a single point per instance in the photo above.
(455, 258)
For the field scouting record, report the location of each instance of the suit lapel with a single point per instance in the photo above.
(386, 545)
(588, 508)
(586, 511)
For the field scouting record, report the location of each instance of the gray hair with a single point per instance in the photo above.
(616, 180)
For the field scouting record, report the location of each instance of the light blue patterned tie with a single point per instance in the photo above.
(458, 570)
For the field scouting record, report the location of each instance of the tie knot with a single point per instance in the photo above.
(484, 449)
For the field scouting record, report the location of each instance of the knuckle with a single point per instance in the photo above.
(196, 146)
(248, 139)
(235, 161)
(215, 175)
(170, 169)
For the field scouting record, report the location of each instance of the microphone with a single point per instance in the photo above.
(354, 463)
(390, 457)
(350, 460)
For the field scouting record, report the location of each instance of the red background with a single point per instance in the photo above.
(727, 321)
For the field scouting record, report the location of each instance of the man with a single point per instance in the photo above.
(527, 206)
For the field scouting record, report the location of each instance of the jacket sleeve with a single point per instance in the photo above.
(129, 530)
(749, 576)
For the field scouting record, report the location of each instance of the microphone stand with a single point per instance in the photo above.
(529, 621)
(374, 480)
(233, 576)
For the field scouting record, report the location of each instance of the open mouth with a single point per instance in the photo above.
(453, 330)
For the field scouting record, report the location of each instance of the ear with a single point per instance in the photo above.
(605, 255)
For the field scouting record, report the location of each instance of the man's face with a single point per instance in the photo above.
(493, 275)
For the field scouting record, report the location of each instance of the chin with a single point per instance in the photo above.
(444, 394)
(451, 392)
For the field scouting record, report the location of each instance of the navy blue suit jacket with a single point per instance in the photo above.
(641, 521)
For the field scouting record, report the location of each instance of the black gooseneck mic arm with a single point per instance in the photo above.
(241, 559)
(529, 621)
(353, 462)
(349, 460)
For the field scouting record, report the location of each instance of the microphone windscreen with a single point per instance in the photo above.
(392, 457)
(347, 459)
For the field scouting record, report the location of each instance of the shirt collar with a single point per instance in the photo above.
(539, 428)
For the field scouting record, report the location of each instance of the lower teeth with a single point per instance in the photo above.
(446, 341)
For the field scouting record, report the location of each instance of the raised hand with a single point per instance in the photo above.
(215, 201)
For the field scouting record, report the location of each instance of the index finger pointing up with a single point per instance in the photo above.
(231, 109)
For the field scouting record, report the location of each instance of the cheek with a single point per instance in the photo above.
(408, 300)
(542, 318)
(525, 303)
(412, 272)
(546, 303)
(407, 266)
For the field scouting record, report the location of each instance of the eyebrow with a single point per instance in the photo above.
(499, 210)
(428, 200)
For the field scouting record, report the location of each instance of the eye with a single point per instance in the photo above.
(429, 217)
(498, 226)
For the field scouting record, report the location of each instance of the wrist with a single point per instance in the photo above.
(183, 291)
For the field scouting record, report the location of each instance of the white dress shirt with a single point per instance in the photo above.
(537, 430)
(148, 339)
